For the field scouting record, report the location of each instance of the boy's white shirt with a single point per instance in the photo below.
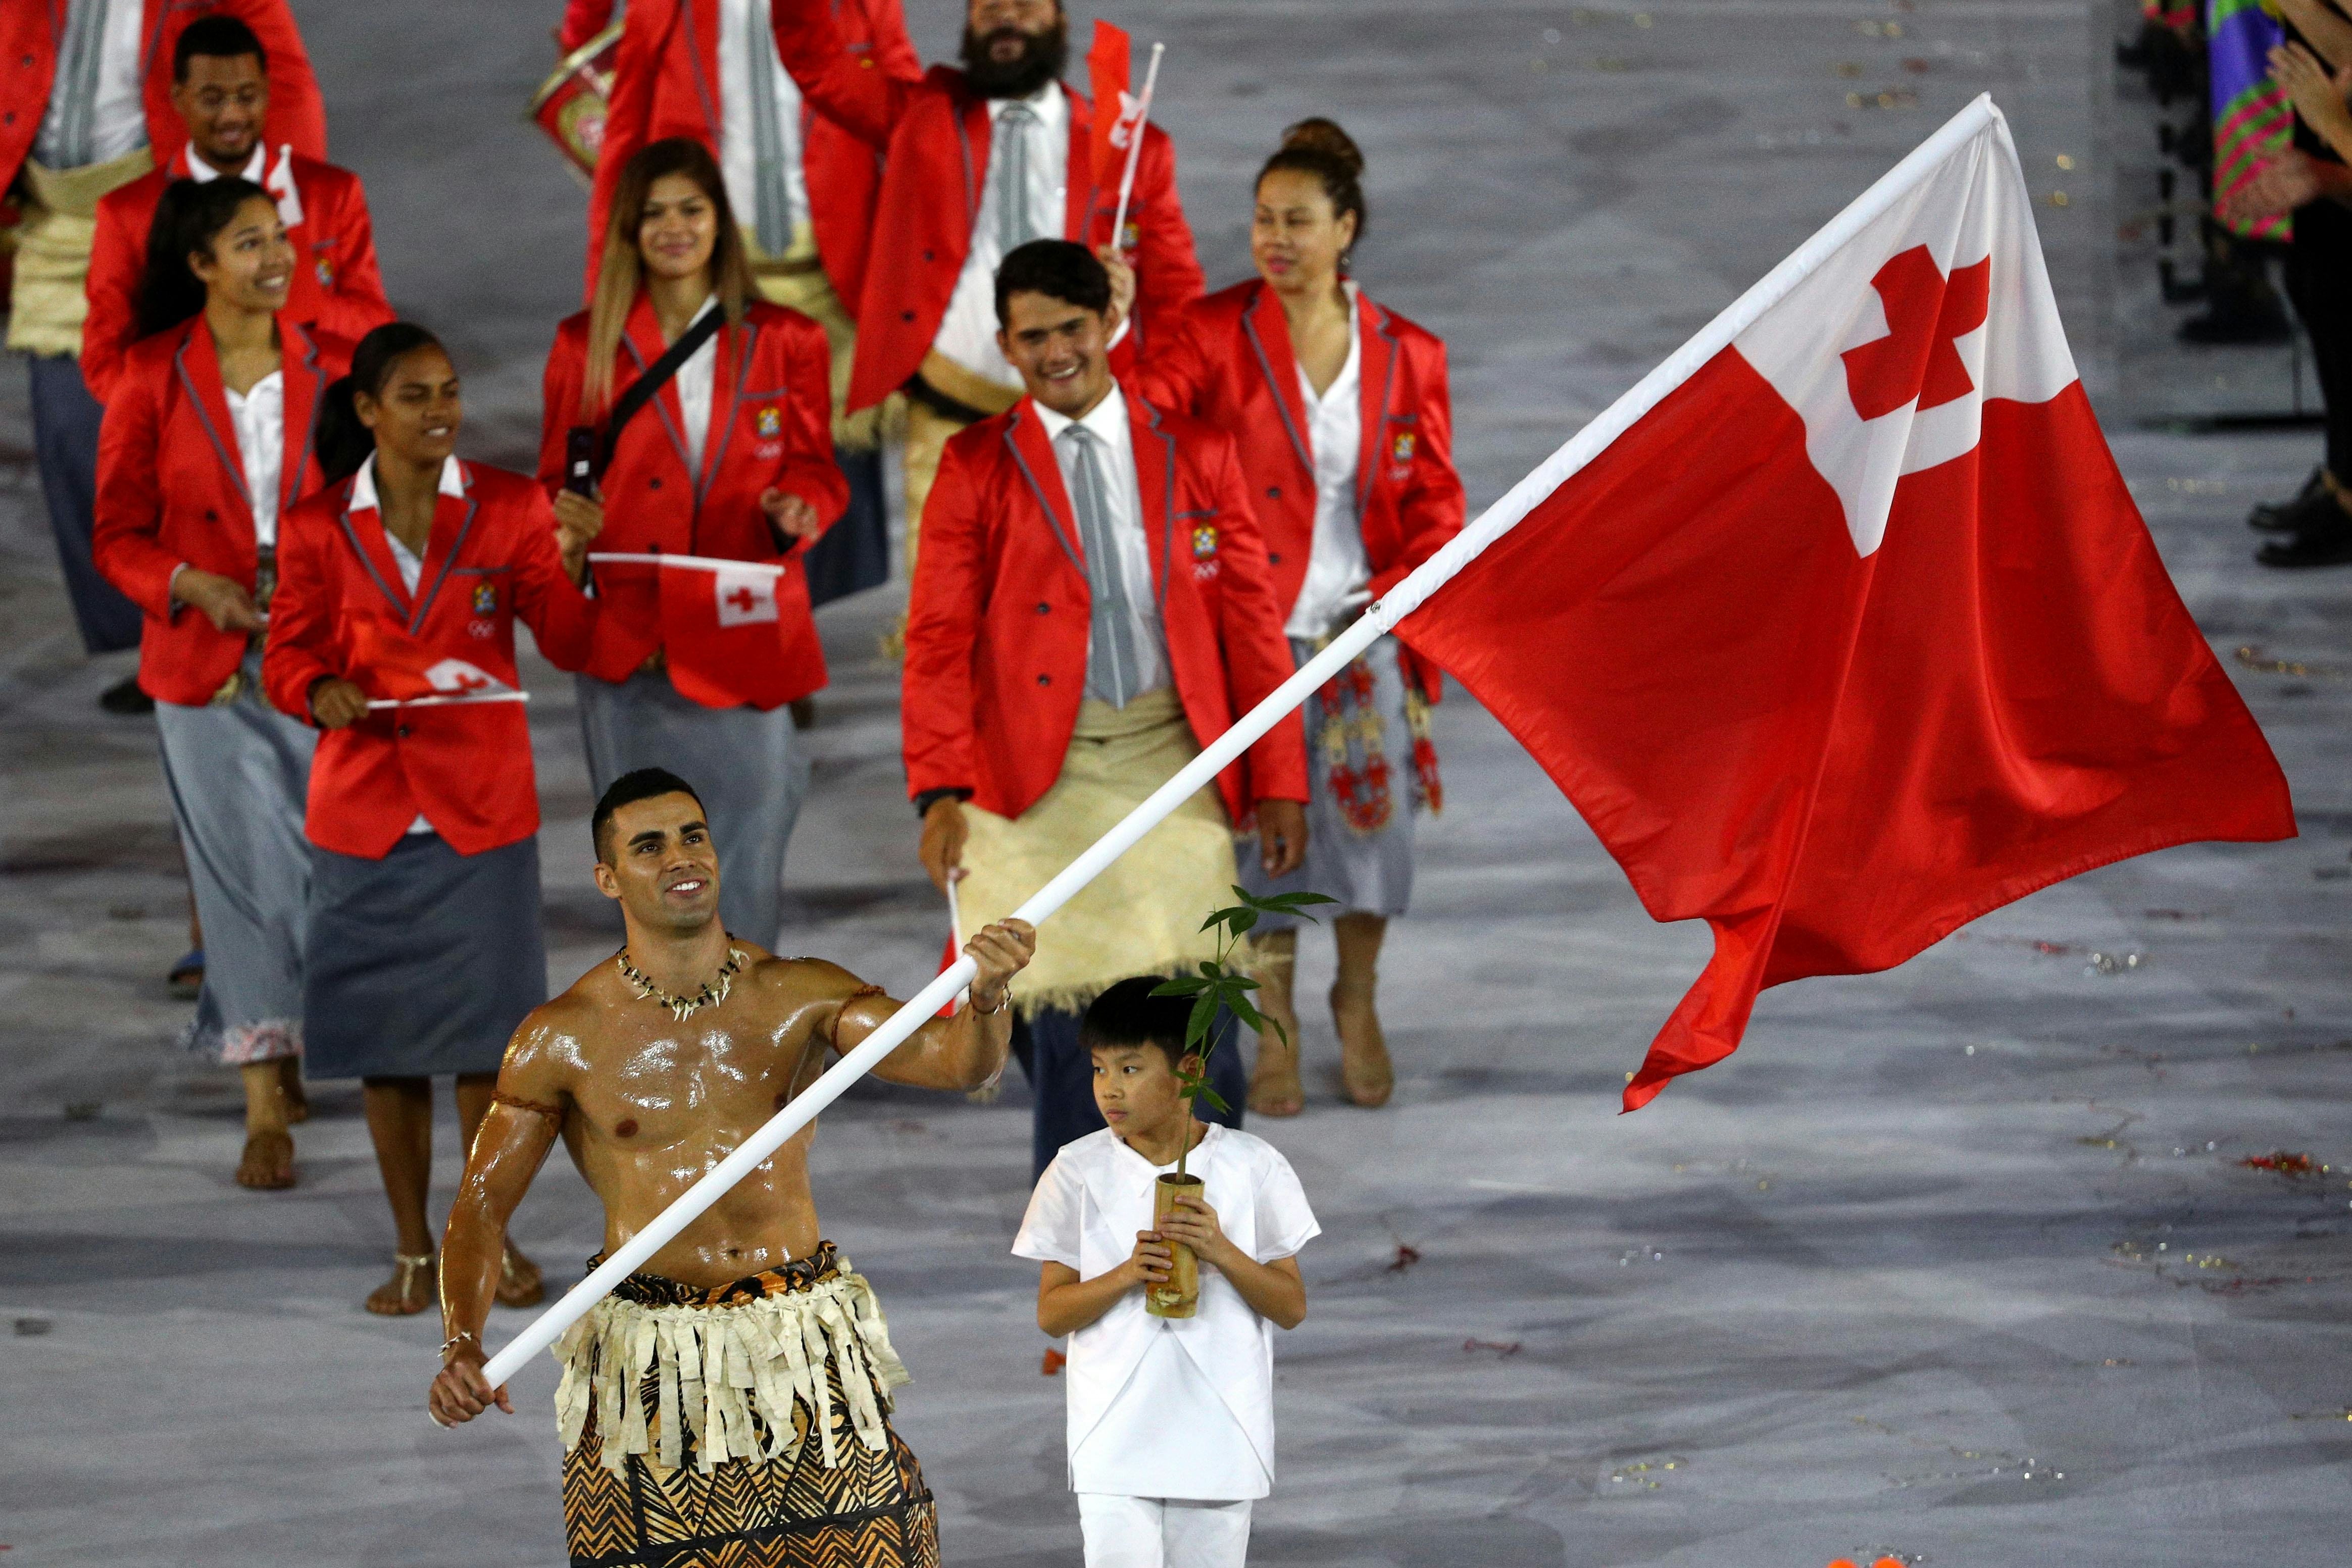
(1133, 1378)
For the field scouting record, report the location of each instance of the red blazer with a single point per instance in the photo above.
(171, 490)
(770, 425)
(335, 287)
(1230, 364)
(491, 557)
(30, 31)
(935, 136)
(665, 83)
(997, 619)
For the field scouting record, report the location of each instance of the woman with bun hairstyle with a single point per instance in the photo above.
(403, 580)
(687, 416)
(206, 447)
(1340, 408)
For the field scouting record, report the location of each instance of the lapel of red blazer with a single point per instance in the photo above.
(306, 387)
(1377, 349)
(364, 531)
(453, 520)
(1078, 193)
(735, 350)
(197, 365)
(642, 343)
(1268, 332)
(1155, 486)
(699, 19)
(973, 135)
(1033, 457)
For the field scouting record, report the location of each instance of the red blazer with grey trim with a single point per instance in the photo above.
(171, 490)
(491, 560)
(1230, 362)
(998, 619)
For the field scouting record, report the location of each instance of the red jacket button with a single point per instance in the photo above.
(403, 731)
(1274, 492)
(1044, 608)
(1044, 680)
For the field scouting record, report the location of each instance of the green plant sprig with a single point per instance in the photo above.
(1220, 985)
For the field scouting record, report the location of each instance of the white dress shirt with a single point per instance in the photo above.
(1339, 574)
(1107, 421)
(968, 331)
(279, 183)
(260, 415)
(740, 21)
(695, 383)
(74, 133)
(1141, 1388)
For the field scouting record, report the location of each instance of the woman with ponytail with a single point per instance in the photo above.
(687, 416)
(403, 580)
(1339, 409)
(205, 449)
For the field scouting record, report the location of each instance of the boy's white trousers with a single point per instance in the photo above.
(1164, 1532)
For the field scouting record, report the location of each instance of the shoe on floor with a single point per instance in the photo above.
(2326, 546)
(186, 977)
(2277, 516)
(125, 699)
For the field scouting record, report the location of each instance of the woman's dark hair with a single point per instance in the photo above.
(1060, 269)
(342, 442)
(188, 218)
(1319, 148)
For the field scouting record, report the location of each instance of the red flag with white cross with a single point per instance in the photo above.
(390, 664)
(723, 633)
(1856, 633)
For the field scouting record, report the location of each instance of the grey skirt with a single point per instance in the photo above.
(1361, 794)
(423, 962)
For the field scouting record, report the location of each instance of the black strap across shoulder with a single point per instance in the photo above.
(656, 376)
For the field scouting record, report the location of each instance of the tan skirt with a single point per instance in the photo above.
(1142, 916)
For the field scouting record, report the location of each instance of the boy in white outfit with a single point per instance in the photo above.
(1172, 1419)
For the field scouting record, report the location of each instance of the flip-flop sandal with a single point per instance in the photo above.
(405, 1268)
(268, 1163)
(185, 978)
(517, 1288)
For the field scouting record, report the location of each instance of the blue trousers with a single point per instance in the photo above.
(65, 443)
(1061, 1072)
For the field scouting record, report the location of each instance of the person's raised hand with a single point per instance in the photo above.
(2281, 185)
(1194, 1223)
(1122, 285)
(577, 521)
(1150, 1262)
(1002, 950)
(336, 703)
(941, 849)
(1281, 836)
(221, 601)
(461, 1392)
(2317, 92)
(792, 518)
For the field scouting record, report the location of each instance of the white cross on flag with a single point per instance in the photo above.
(744, 595)
(1850, 631)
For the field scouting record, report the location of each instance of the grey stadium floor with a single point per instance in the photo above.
(1957, 1263)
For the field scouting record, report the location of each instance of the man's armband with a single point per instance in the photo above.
(553, 1112)
(849, 1001)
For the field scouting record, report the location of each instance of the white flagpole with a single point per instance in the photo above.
(454, 700)
(955, 928)
(1398, 602)
(699, 562)
(1135, 144)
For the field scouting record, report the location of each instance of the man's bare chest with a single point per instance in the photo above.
(660, 1085)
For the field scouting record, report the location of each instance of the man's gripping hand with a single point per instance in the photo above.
(1001, 951)
(461, 1392)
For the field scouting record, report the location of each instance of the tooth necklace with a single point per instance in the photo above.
(710, 996)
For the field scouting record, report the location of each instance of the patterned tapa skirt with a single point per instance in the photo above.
(1369, 768)
(741, 1426)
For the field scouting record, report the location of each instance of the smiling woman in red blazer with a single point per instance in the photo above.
(401, 583)
(205, 447)
(1340, 408)
(731, 458)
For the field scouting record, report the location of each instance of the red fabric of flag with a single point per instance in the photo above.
(1858, 634)
(1116, 109)
(724, 636)
(392, 663)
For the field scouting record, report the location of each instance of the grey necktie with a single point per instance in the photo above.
(771, 217)
(1010, 159)
(79, 54)
(1114, 663)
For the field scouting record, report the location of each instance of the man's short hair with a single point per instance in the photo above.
(1129, 1015)
(1058, 268)
(644, 784)
(220, 38)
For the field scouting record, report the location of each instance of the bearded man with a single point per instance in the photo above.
(729, 1402)
(977, 163)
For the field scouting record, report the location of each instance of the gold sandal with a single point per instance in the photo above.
(405, 1268)
(520, 1281)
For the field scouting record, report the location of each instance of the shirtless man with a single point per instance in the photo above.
(767, 1400)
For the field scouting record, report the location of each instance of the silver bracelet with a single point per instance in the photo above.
(461, 1337)
(1003, 1000)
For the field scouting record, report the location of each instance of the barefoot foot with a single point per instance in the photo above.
(268, 1163)
(519, 1282)
(409, 1291)
(1366, 1074)
(290, 1087)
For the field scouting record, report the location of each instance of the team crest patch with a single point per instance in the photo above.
(772, 421)
(485, 599)
(1400, 450)
(1204, 540)
(326, 269)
